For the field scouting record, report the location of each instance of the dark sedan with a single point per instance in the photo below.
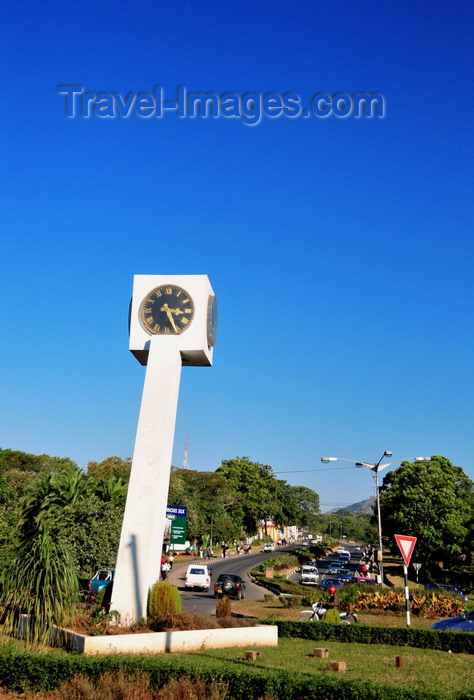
(230, 585)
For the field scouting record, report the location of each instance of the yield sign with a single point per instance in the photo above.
(407, 545)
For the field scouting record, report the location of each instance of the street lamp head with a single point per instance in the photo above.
(328, 459)
(387, 453)
(422, 459)
(359, 465)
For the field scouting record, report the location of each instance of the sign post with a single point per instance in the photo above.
(417, 567)
(406, 545)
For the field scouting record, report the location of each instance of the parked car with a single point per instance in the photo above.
(446, 587)
(463, 623)
(231, 585)
(309, 574)
(198, 576)
(268, 547)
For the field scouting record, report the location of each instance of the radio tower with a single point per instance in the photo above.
(185, 453)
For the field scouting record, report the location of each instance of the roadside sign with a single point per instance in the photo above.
(178, 517)
(406, 545)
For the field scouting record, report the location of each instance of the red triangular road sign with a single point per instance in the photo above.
(407, 545)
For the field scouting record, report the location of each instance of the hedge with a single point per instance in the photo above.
(22, 671)
(443, 640)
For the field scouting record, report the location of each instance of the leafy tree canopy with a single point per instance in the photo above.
(112, 466)
(432, 501)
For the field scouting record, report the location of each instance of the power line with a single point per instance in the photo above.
(327, 469)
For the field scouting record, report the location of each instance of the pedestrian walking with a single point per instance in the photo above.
(170, 561)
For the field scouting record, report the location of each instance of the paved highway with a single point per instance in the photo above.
(203, 602)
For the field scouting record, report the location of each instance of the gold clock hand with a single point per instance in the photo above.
(168, 311)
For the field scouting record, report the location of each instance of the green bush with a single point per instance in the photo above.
(314, 596)
(164, 602)
(25, 671)
(444, 640)
(290, 601)
(40, 582)
(332, 616)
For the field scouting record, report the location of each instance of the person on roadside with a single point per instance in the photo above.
(165, 567)
(334, 601)
(170, 561)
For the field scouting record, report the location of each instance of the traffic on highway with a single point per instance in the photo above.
(335, 569)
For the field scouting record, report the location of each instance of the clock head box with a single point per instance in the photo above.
(180, 309)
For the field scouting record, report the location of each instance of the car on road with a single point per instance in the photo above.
(446, 587)
(198, 576)
(309, 574)
(334, 566)
(344, 557)
(328, 582)
(268, 547)
(231, 585)
(365, 580)
(463, 623)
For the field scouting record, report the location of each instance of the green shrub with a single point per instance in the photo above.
(332, 616)
(40, 582)
(444, 640)
(24, 671)
(164, 602)
(314, 596)
(290, 601)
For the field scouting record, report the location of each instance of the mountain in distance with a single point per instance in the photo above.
(362, 507)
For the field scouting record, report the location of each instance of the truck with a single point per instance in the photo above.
(102, 580)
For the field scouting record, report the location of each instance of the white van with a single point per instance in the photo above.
(198, 576)
(309, 575)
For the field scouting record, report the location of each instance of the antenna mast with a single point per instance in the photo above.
(185, 453)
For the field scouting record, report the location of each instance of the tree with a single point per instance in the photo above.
(211, 502)
(112, 466)
(308, 506)
(257, 487)
(432, 501)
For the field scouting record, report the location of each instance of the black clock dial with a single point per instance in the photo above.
(211, 321)
(167, 310)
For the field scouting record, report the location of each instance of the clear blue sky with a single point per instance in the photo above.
(341, 250)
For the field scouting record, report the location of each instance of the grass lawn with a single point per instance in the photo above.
(434, 671)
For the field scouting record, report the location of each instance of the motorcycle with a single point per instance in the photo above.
(317, 611)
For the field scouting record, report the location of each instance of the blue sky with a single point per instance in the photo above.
(340, 249)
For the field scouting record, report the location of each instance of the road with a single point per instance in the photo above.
(324, 562)
(203, 602)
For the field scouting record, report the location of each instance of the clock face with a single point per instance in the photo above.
(211, 321)
(167, 310)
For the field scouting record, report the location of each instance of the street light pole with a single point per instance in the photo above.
(378, 466)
